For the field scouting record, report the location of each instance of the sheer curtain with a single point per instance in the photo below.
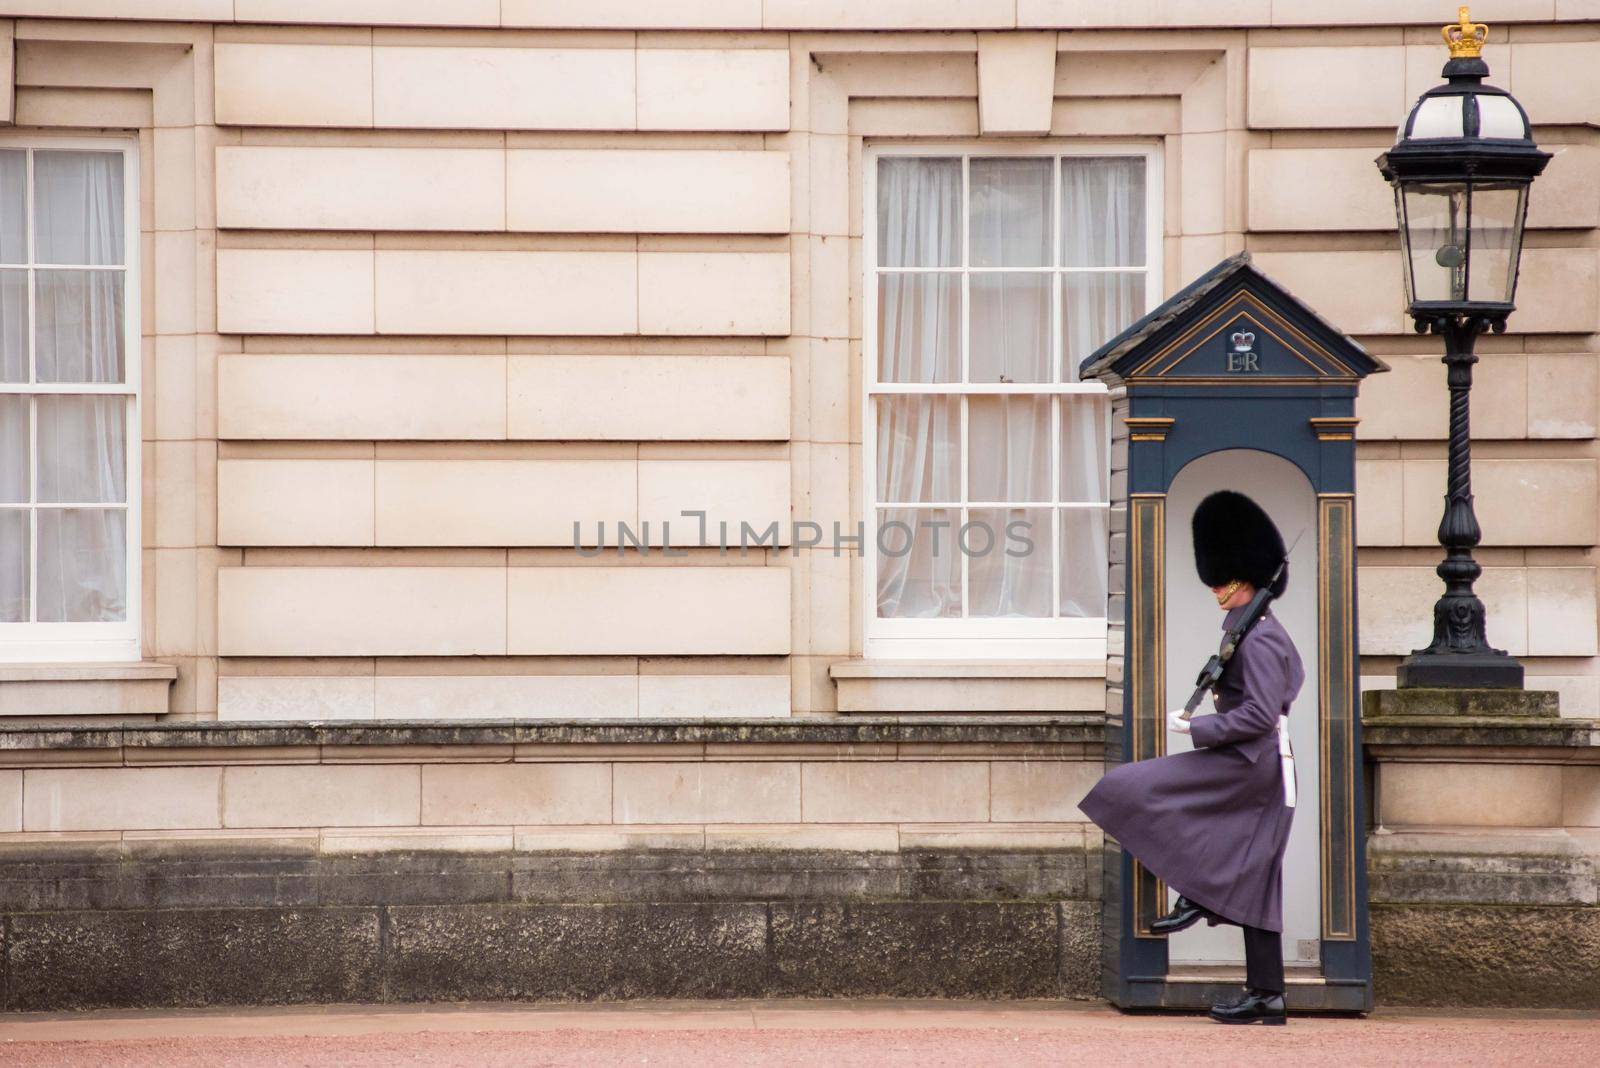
(1009, 436)
(1010, 265)
(14, 452)
(919, 341)
(1102, 226)
(75, 451)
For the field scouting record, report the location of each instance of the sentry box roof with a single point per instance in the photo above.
(1232, 326)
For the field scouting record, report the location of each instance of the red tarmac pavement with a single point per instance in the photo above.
(797, 1034)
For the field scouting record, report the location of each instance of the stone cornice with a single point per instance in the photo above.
(1085, 729)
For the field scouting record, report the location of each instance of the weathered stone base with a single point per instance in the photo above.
(1487, 955)
(117, 932)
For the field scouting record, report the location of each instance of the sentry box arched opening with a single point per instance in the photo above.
(1233, 383)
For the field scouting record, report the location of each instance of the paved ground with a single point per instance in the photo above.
(798, 1034)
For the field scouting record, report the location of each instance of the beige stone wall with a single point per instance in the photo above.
(557, 796)
(425, 283)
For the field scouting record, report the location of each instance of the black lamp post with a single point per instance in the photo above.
(1461, 171)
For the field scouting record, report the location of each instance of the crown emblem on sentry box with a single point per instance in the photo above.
(1243, 341)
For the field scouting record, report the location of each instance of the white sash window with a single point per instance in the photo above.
(69, 427)
(990, 276)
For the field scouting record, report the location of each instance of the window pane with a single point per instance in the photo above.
(919, 449)
(1094, 308)
(77, 207)
(13, 326)
(1085, 472)
(1008, 562)
(919, 212)
(1102, 212)
(1492, 255)
(1010, 327)
(1085, 562)
(1010, 213)
(1436, 227)
(13, 565)
(13, 449)
(79, 332)
(919, 568)
(919, 327)
(82, 565)
(13, 206)
(82, 455)
(1008, 458)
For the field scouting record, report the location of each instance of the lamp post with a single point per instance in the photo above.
(1461, 169)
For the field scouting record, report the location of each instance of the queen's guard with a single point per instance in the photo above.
(1213, 823)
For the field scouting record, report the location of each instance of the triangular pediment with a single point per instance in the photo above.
(1231, 326)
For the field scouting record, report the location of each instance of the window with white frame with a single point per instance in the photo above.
(991, 275)
(69, 375)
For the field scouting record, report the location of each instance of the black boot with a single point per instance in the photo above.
(1184, 914)
(1257, 1006)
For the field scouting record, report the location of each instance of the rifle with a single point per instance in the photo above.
(1211, 674)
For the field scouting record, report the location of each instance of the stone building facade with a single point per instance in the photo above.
(346, 328)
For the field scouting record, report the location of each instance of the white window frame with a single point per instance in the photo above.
(959, 639)
(90, 642)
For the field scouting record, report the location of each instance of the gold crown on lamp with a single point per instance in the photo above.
(1465, 37)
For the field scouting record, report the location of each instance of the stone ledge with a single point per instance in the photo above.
(133, 670)
(1075, 729)
(66, 880)
(1491, 704)
(968, 669)
(1495, 868)
(139, 688)
(969, 687)
(1512, 732)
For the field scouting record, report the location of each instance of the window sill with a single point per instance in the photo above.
(137, 688)
(976, 686)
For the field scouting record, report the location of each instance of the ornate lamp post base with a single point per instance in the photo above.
(1489, 670)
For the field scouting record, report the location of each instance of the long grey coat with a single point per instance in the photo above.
(1211, 823)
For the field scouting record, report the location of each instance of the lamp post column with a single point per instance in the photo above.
(1460, 654)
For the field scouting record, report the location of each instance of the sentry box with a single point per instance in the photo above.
(1235, 384)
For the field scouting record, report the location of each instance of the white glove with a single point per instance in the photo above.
(1175, 721)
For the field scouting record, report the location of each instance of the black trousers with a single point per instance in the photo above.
(1263, 956)
(1263, 959)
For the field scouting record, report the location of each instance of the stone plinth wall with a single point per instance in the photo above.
(215, 923)
(1484, 864)
(204, 864)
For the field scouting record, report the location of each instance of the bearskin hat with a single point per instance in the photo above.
(1235, 539)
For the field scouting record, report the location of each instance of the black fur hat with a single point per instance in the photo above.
(1235, 539)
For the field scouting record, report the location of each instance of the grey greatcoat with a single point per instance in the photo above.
(1211, 823)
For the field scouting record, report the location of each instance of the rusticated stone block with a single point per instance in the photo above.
(691, 875)
(1079, 962)
(575, 952)
(1489, 956)
(191, 957)
(970, 875)
(915, 949)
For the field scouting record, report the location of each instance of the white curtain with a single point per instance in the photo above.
(1008, 454)
(76, 450)
(1102, 225)
(14, 459)
(919, 437)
